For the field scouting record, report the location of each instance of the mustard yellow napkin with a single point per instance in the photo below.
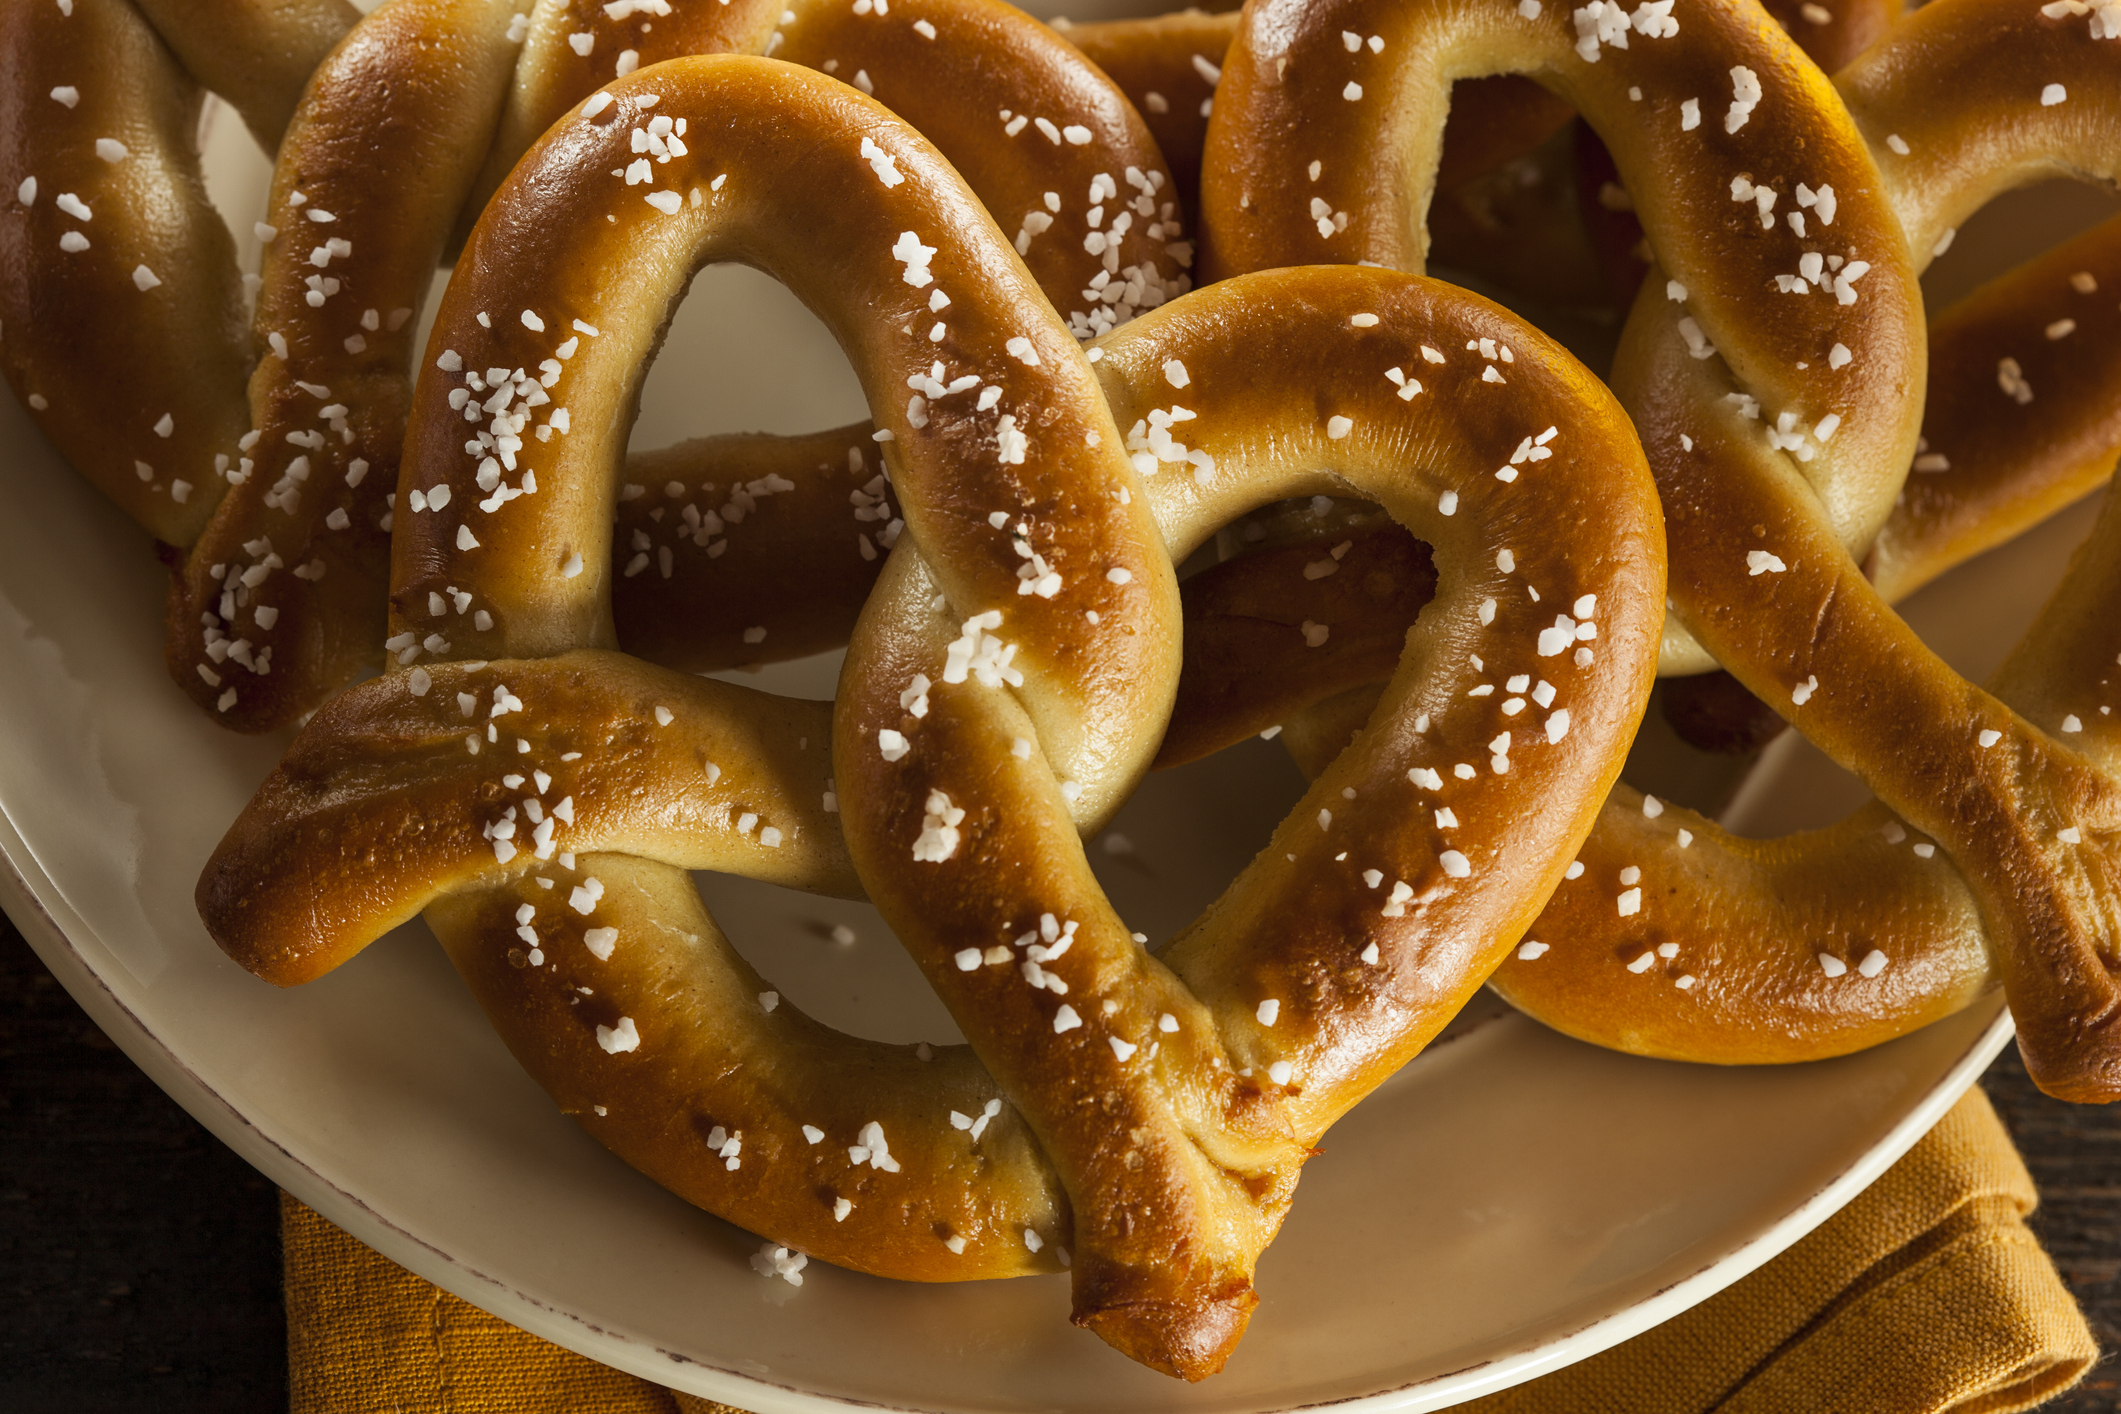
(1926, 1294)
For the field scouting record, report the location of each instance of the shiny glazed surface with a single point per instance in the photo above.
(1510, 1202)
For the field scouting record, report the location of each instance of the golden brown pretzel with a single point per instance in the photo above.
(2027, 824)
(279, 598)
(922, 59)
(1169, 66)
(1992, 465)
(1043, 522)
(120, 302)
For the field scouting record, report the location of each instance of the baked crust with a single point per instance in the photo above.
(1007, 685)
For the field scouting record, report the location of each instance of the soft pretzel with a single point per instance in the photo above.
(1169, 66)
(1157, 1110)
(121, 322)
(1993, 463)
(2030, 803)
(280, 596)
(2026, 824)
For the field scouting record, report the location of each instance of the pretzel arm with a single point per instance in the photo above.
(1249, 663)
(1097, 178)
(1293, 95)
(1835, 34)
(376, 815)
(96, 117)
(1965, 101)
(575, 47)
(282, 598)
(388, 799)
(1984, 95)
(1308, 927)
(1167, 66)
(795, 530)
(720, 1098)
(1681, 941)
(1824, 943)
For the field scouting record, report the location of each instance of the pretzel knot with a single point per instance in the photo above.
(1768, 364)
(1143, 1117)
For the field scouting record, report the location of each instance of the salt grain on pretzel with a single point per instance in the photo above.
(980, 728)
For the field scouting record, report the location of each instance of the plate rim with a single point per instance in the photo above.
(42, 914)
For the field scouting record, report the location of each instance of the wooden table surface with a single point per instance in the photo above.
(143, 1258)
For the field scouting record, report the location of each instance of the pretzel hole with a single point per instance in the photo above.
(2011, 229)
(743, 354)
(750, 440)
(238, 177)
(1530, 234)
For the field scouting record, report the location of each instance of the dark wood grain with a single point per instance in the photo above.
(140, 1259)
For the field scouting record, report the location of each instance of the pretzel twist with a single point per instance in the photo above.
(1158, 1109)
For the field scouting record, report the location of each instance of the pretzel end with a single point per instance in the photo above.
(268, 931)
(2078, 1073)
(1189, 1335)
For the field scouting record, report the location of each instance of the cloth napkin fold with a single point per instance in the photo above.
(1925, 1294)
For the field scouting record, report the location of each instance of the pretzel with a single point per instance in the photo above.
(1989, 467)
(280, 596)
(1329, 963)
(132, 360)
(1168, 67)
(1992, 466)
(2028, 824)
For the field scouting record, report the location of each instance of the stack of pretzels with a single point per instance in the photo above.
(1109, 291)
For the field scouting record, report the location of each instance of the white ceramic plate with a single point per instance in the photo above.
(1511, 1202)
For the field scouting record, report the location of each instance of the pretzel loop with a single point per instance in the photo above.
(1293, 95)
